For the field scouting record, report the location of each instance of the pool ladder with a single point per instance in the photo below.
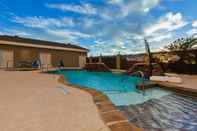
(142, 85)
(141, 76)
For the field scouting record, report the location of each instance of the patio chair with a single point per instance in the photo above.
(36, 64)
(61, 64)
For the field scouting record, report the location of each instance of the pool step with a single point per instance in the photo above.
(113, 92)
(146, 85)
(134, 97)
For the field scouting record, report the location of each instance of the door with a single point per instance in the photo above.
(82, 61)
(6, 58)
(45, 59)
(1, 58)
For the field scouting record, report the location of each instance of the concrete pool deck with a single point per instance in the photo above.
(189, 83)
(30, 101)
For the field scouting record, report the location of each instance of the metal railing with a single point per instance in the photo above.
(45, 67)
(142, 75)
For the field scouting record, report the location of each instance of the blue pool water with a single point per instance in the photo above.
(121, 89)
(102, 81)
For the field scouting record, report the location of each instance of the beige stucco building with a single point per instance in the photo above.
(14, 50)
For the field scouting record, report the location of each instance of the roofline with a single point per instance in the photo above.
(5, 42)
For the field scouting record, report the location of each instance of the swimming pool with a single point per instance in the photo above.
(156, 109)
(121, 89)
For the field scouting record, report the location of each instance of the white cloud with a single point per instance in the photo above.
(169, 22)
(116, 46)
(84, 8)
(164, 30)
(128, 37)
(194, 24)
(53, 27)
(149, 4)
(175, 0)
(192, 32)
(115, 1)
(127, 7)
(88, 23)
(64, 33)
(114, 9)
(42, 22)
(19, 33)
(160, 37)
(108, 48)
(15, 32)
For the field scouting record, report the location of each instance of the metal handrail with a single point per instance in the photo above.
(43, 67)
(142, 75)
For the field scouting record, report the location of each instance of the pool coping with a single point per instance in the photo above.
(109, 113)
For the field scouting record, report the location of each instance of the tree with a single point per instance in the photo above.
(182, 44)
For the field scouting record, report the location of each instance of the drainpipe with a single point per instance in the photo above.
(90, 59)
(100, 58)
(118, 61)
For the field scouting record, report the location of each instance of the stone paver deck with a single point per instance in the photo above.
(189, 83)
(30, 101)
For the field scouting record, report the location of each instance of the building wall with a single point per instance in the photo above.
(25, 54)
(6, 58)
(70, 58)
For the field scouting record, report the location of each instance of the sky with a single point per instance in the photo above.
(106, 27)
